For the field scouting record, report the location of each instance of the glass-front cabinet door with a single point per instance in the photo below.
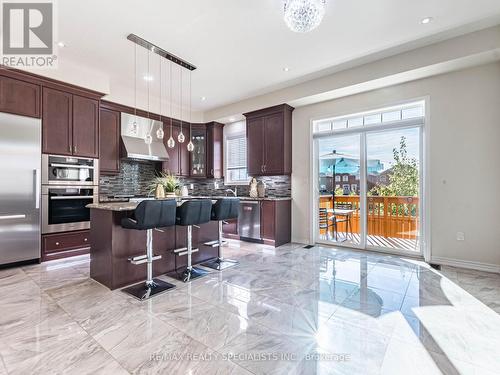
(198, 155)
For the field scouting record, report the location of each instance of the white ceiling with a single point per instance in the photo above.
(241, 47)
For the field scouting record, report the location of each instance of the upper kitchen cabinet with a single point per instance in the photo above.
(109, 141)
(178, 162)
(215, 140)
(85, 127)
(199, 153)
(19, 97)
(70, 124)
(57, 122)
(269, 141)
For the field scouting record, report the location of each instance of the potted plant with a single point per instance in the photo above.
(168, 182)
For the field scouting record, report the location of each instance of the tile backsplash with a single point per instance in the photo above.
(276, 186)
(134, 179)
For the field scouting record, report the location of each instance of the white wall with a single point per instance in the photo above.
(464, 160)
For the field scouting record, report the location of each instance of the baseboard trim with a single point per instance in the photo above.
(479, 266)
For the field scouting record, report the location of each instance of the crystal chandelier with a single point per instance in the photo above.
(302, 16)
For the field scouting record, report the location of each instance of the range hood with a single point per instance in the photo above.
(134, 130)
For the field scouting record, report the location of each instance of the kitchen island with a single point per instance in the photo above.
(112, 246)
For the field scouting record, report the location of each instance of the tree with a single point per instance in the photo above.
(403, 176)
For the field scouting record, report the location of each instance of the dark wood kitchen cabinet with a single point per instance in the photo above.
(57, 122)
(85, 127)
(19, 97)
(178, 162)
(67, 244)
(269, 141)
(70, 124)
(215, 142)
(276, 222)
(109, 141)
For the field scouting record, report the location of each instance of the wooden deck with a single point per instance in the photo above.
(378, 241)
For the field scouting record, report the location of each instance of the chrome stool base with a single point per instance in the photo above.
(191, 274)
(220, 264)
(144, 291)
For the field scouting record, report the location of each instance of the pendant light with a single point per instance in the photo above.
(190, 146)
(160, 133)
(181, 138)
(148, 138)
(170, 142)
(135, 127)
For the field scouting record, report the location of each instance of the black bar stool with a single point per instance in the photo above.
(194, 212)
(147, 216)
(223, 209)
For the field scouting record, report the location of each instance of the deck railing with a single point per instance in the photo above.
(396, 217)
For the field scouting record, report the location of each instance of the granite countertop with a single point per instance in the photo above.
(114, 206)
(130, 206)
(243, 198)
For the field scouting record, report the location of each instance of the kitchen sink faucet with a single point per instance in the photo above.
(234, 192)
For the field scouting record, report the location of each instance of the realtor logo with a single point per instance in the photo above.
(28, 35)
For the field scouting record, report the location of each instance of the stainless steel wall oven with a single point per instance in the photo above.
(68, 186)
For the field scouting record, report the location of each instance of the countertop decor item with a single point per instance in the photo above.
(261, 189)
(169, 182)
(253, 188)
(159, 191)
(184, 191)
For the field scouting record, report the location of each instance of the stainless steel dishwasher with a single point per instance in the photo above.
(249, 220)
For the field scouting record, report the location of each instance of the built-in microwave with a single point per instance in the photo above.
(64, 207)
(64, 170)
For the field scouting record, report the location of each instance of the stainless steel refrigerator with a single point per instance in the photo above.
(20, 162)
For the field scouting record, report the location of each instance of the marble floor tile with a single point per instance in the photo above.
(264, 351)
(382, 299)
(156, 347)
(54, 275)
(287, 310)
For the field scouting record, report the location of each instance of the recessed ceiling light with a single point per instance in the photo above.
(203, 98)
(61, 44)
(286, 69)
(148, 78)
(426, 20)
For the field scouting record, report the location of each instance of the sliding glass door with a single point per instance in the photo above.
(368, 180)
(393, 189)
(339, 188)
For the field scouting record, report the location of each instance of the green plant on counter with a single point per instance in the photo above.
(169, 182)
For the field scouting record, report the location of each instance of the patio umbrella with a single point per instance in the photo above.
(334, 155)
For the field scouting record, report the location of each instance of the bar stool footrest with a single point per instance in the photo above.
(211, 243)
(143, 291)
(141, 259)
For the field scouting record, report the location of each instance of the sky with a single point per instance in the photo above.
(379, 145)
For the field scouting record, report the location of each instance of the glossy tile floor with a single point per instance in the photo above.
(281, 311)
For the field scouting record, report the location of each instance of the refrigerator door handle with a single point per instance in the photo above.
(37, 188)
(12, 217)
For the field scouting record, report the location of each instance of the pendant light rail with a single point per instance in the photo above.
(161, 52)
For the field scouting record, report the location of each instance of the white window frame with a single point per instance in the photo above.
(227, 181)
(425, 195)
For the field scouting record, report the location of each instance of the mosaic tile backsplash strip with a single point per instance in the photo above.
(134, 179)
(276, 186)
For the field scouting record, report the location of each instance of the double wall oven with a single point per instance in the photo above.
(68, 186)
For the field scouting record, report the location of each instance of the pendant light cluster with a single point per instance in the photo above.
(160, 134)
